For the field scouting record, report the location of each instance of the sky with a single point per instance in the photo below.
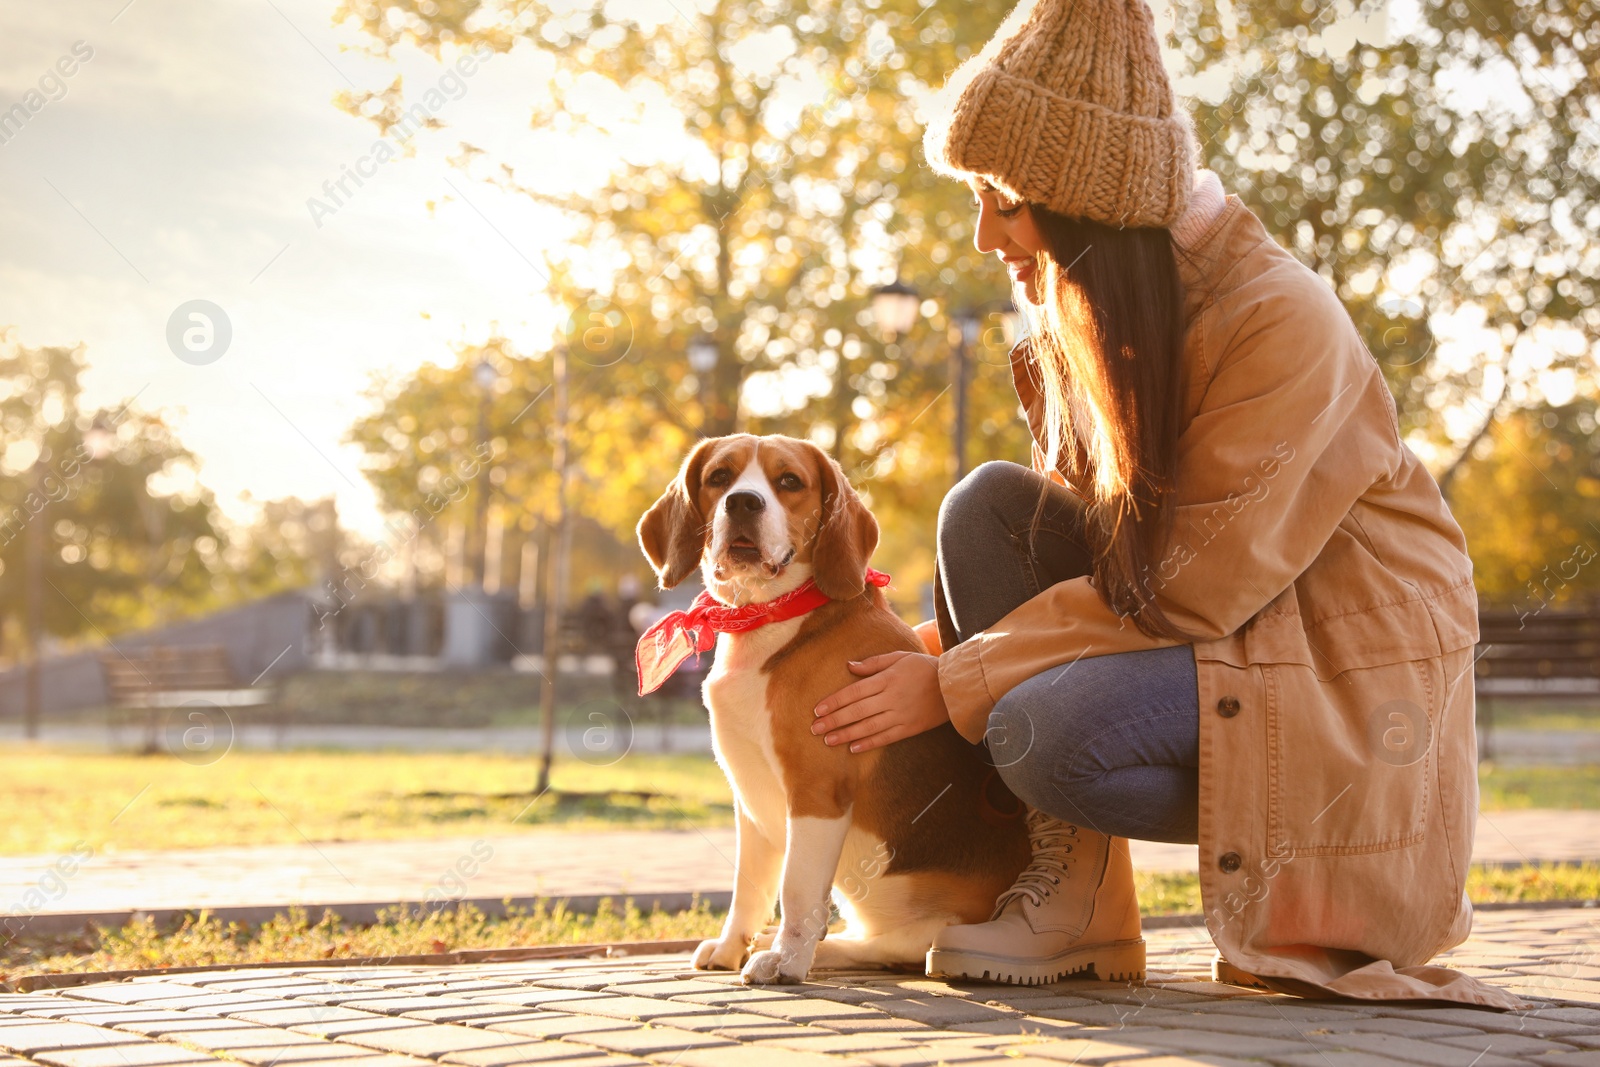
(190, 155)
(177, 165)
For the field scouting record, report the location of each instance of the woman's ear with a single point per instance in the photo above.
(673, 532)
(846, 537)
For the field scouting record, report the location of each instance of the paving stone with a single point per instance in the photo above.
(1291, 1008)
(1209, 1041)
(28, 1037)
(1116, 1015)
(1042, 1002)
(111, 1014)
(1019, 1025)
(724, 1020)
(668, 987)
(1565, 988)
(773, 1029)
(281, 986)
(300, 1055)
(642, 1009)
(177, 1028)
(556, 1052)
(739, 1056)
(806, 1010)
(130, 992)
(561, 1026)
(144, 1054)
(206, 1003)
(652, 1041)
(531, 996)
(1087, 1050)
(1532, 1023)
(592, 982)
(386, 1002)
(303, 1015)
(871, 993)
(334, 1029)
(1335, 1058)
(1414, 1051)
(585, 1013)
(875, 1023)
(838, 1044)
(467, 1014)
(1504, 1044)
(735, 995)
(941, 1011)
(923, 1056)
(1402, 1027)
(249, 1037)
(429, 1040)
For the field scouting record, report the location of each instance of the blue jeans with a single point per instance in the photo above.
(1109, 742)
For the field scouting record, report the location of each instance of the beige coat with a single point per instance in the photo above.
(1338, 786)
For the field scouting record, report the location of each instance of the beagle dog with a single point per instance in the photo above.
(910, 837)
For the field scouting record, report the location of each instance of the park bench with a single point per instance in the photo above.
(1544, 655)
(149, 683)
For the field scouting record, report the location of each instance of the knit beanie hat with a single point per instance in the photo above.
(1069, 107)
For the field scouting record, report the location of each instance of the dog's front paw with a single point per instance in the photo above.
(719, 954)
(771, 968)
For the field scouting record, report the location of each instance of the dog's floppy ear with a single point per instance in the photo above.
(846, 535)
(673, 532)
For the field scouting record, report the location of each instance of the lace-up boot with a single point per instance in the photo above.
(1072, 909)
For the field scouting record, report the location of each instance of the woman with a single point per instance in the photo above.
(1238, 611)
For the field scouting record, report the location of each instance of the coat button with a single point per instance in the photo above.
(1228, 707)
(1229, 862)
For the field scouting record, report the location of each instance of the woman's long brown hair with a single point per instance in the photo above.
(1108, 351)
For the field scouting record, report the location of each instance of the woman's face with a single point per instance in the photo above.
(1005, 227)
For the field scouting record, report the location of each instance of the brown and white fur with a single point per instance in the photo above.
(911, 837)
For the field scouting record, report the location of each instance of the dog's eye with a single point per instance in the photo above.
(791, 482)
(719, 477)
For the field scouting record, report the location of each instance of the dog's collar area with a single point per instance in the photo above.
(681, 634)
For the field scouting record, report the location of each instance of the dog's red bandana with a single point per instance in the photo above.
(681, 634)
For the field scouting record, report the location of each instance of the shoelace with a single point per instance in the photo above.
(1051, 841)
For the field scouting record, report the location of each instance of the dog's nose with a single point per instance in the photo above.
(744, 502)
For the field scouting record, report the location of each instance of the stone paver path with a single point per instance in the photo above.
(654, 1010)
(669, 866)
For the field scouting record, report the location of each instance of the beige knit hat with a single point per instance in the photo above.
(1068, 106)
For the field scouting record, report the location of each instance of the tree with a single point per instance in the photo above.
(1529, 503)
(1441, 176)
(127, 538)
(794, 186)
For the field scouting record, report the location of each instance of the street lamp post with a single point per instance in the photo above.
(894, 309)
(964, 330)
(555, 572)
(485, 376)
(703, 353)
(34, 585)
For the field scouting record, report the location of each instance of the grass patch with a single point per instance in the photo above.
(204, 940)
(57, 798)
(1544, 715)
(1508, 788)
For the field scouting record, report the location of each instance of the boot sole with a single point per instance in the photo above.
(1227, 973)
(1113, 961)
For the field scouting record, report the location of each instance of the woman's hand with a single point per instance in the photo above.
(898, 697)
